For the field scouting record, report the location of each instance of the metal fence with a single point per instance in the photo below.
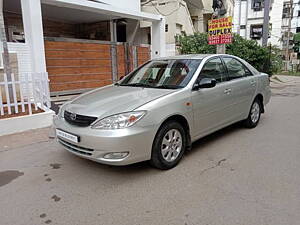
(25, 95)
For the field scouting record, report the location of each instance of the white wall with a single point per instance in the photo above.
(285, 22)
(276, 21)
(236, 17)
(207, 6)
(24, 62)
(23, 57)
(23, 54)
(25, 123)
(176, 12)
(177, 15)
(229, 7)
(295, 20)
(133, 5)
(170, 49)
(245, 15)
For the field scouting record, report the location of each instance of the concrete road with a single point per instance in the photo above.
(233, 177)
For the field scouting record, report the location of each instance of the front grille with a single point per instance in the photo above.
(76, 148)
(78, 120)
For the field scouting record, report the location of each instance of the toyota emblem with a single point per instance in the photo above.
(73, 116)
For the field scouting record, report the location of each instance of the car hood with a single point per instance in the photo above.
(112, 99)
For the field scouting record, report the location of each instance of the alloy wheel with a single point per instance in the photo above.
(171, 145)
(255, 112)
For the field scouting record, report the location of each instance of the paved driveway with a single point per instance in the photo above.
(233, 177)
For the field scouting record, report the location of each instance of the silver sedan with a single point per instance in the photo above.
(157, 111)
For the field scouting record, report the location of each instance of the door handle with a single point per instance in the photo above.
(253, 82)
(227, 91)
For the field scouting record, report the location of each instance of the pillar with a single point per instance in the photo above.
(34, 37)
(158, 38)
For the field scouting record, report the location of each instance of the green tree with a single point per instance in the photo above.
(195, 44)
(296, 40)
(265, 59)
(250, 51)
(276, 62)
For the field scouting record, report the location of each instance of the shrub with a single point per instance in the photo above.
(265, 59)
(195, 44)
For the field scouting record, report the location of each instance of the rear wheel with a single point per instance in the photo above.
(254, 114)
(169, 146)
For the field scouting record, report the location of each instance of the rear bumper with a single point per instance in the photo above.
(95, 144)
(267, 96)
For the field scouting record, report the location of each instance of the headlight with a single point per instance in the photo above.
(119, 121)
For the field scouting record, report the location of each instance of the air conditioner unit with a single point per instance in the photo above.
(257, 8)
(15, 34)
(256, 5)
(285, 15)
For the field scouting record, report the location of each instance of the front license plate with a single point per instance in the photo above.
(68, 136)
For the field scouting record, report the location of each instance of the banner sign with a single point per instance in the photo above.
(220, 31)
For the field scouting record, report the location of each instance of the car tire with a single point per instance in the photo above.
(169, 145)
(254, 114)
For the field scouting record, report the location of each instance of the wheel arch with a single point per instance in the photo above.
(260, 97)
(183, 122)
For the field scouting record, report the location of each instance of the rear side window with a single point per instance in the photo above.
(235, 68)
(214, 68)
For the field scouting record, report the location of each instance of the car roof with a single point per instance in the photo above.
(190, 56)
(203, 56)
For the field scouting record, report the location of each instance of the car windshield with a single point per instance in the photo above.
(168, 74)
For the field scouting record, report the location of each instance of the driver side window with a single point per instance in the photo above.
(213, 68)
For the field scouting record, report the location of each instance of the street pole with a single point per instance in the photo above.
(266, 23)
(288, 35)
(221, 48)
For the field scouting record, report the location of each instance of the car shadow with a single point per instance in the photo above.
(206, 141)
(127, 170)
(143, 168)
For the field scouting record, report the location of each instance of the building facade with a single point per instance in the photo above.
(183, 17)
(294, 17)
(80, 44)
(290, 22)
(249, 18)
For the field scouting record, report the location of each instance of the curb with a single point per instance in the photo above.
(25, 123)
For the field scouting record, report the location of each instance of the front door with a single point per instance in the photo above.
(210, 105)
(243, 86)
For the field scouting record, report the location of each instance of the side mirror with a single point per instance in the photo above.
(205, 83)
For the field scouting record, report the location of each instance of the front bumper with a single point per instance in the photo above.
(95, 144)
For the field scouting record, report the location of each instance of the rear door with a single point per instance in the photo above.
(242, 84)
(211, 105)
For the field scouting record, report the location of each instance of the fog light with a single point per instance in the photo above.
(116, 155)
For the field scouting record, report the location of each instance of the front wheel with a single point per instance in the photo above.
(169, 146)
(254, 114)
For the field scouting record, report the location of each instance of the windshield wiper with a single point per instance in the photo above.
(168, 86)
(163, 86)
(138, 85)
